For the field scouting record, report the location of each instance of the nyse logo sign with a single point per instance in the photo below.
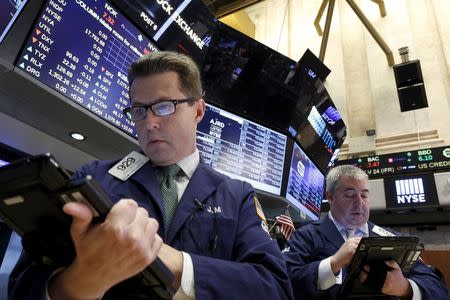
(410, 190)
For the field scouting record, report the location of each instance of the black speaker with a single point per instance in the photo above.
(310, 61)
(412, 97)
(408, 73)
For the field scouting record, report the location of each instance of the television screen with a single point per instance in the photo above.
(249, 78)
(411, 191)
(242, 149)
(3, 163)
(305, 187)
(181, 25)
(9, 10)
(83, 49)
(10, 250)
(316, 124)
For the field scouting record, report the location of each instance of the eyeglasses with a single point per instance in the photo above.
(160, 109)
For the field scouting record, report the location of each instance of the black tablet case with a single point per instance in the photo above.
(374, 251)
(32, 193)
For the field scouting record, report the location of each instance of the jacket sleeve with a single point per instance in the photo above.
(256, 271)
(28, 279)
(303, 259)
(431, 286)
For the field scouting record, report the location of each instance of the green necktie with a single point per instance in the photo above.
(169, 192)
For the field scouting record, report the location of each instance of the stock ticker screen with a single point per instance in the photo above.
(9, 10)
(305, 186)
(242, 149)
(83, 49)
(428, 159)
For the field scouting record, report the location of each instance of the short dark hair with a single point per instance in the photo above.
(167, 61)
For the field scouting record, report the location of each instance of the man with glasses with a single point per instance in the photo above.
(209, 234)
(317, 254)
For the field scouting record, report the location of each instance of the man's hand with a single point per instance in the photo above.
(396, 284)
(173, 259)
(107, 253)
(344, 255)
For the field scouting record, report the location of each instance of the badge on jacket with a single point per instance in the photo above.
(125, 168)
(381, 231)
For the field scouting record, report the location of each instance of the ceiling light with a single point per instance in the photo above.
(77, 136)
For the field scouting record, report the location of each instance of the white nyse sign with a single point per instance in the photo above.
(410, 190)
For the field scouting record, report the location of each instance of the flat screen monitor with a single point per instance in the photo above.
(3, 163)
(242, 149)
(411, 192)
(182, 25)
(83, 49)
(305, 187)
(9, 10)
(249, 78)
(316, 123)
(10, 250)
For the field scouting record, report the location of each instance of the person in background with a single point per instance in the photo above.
(203, 225)
(318, 253)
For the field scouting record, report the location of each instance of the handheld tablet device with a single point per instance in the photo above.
(374, 251)
(32, 193)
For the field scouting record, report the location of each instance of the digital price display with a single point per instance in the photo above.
(403, 162)
(83, 49)
(305, 188)
(9, 10)
(242, 149)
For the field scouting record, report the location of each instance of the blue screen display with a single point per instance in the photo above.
(3, 163)
(242, 149)
(9, 10)
(10, 250)
(8, 259)
(305, 186)
(83, 49)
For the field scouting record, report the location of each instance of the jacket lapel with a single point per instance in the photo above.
(329, 230)
(147, 179)
(202, 184)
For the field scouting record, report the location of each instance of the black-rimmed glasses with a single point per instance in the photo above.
(160, 109)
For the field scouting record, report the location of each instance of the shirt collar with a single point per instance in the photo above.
(190, 163)
(364, 229)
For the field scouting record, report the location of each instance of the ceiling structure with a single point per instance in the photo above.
(222, 8)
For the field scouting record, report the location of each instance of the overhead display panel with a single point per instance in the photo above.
(181, 25)
(9, 10)
(83, 49)
(428, 159)
(305, 187)
(316, 123)
(242, 149)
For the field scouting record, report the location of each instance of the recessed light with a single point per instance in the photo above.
(77, 136)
